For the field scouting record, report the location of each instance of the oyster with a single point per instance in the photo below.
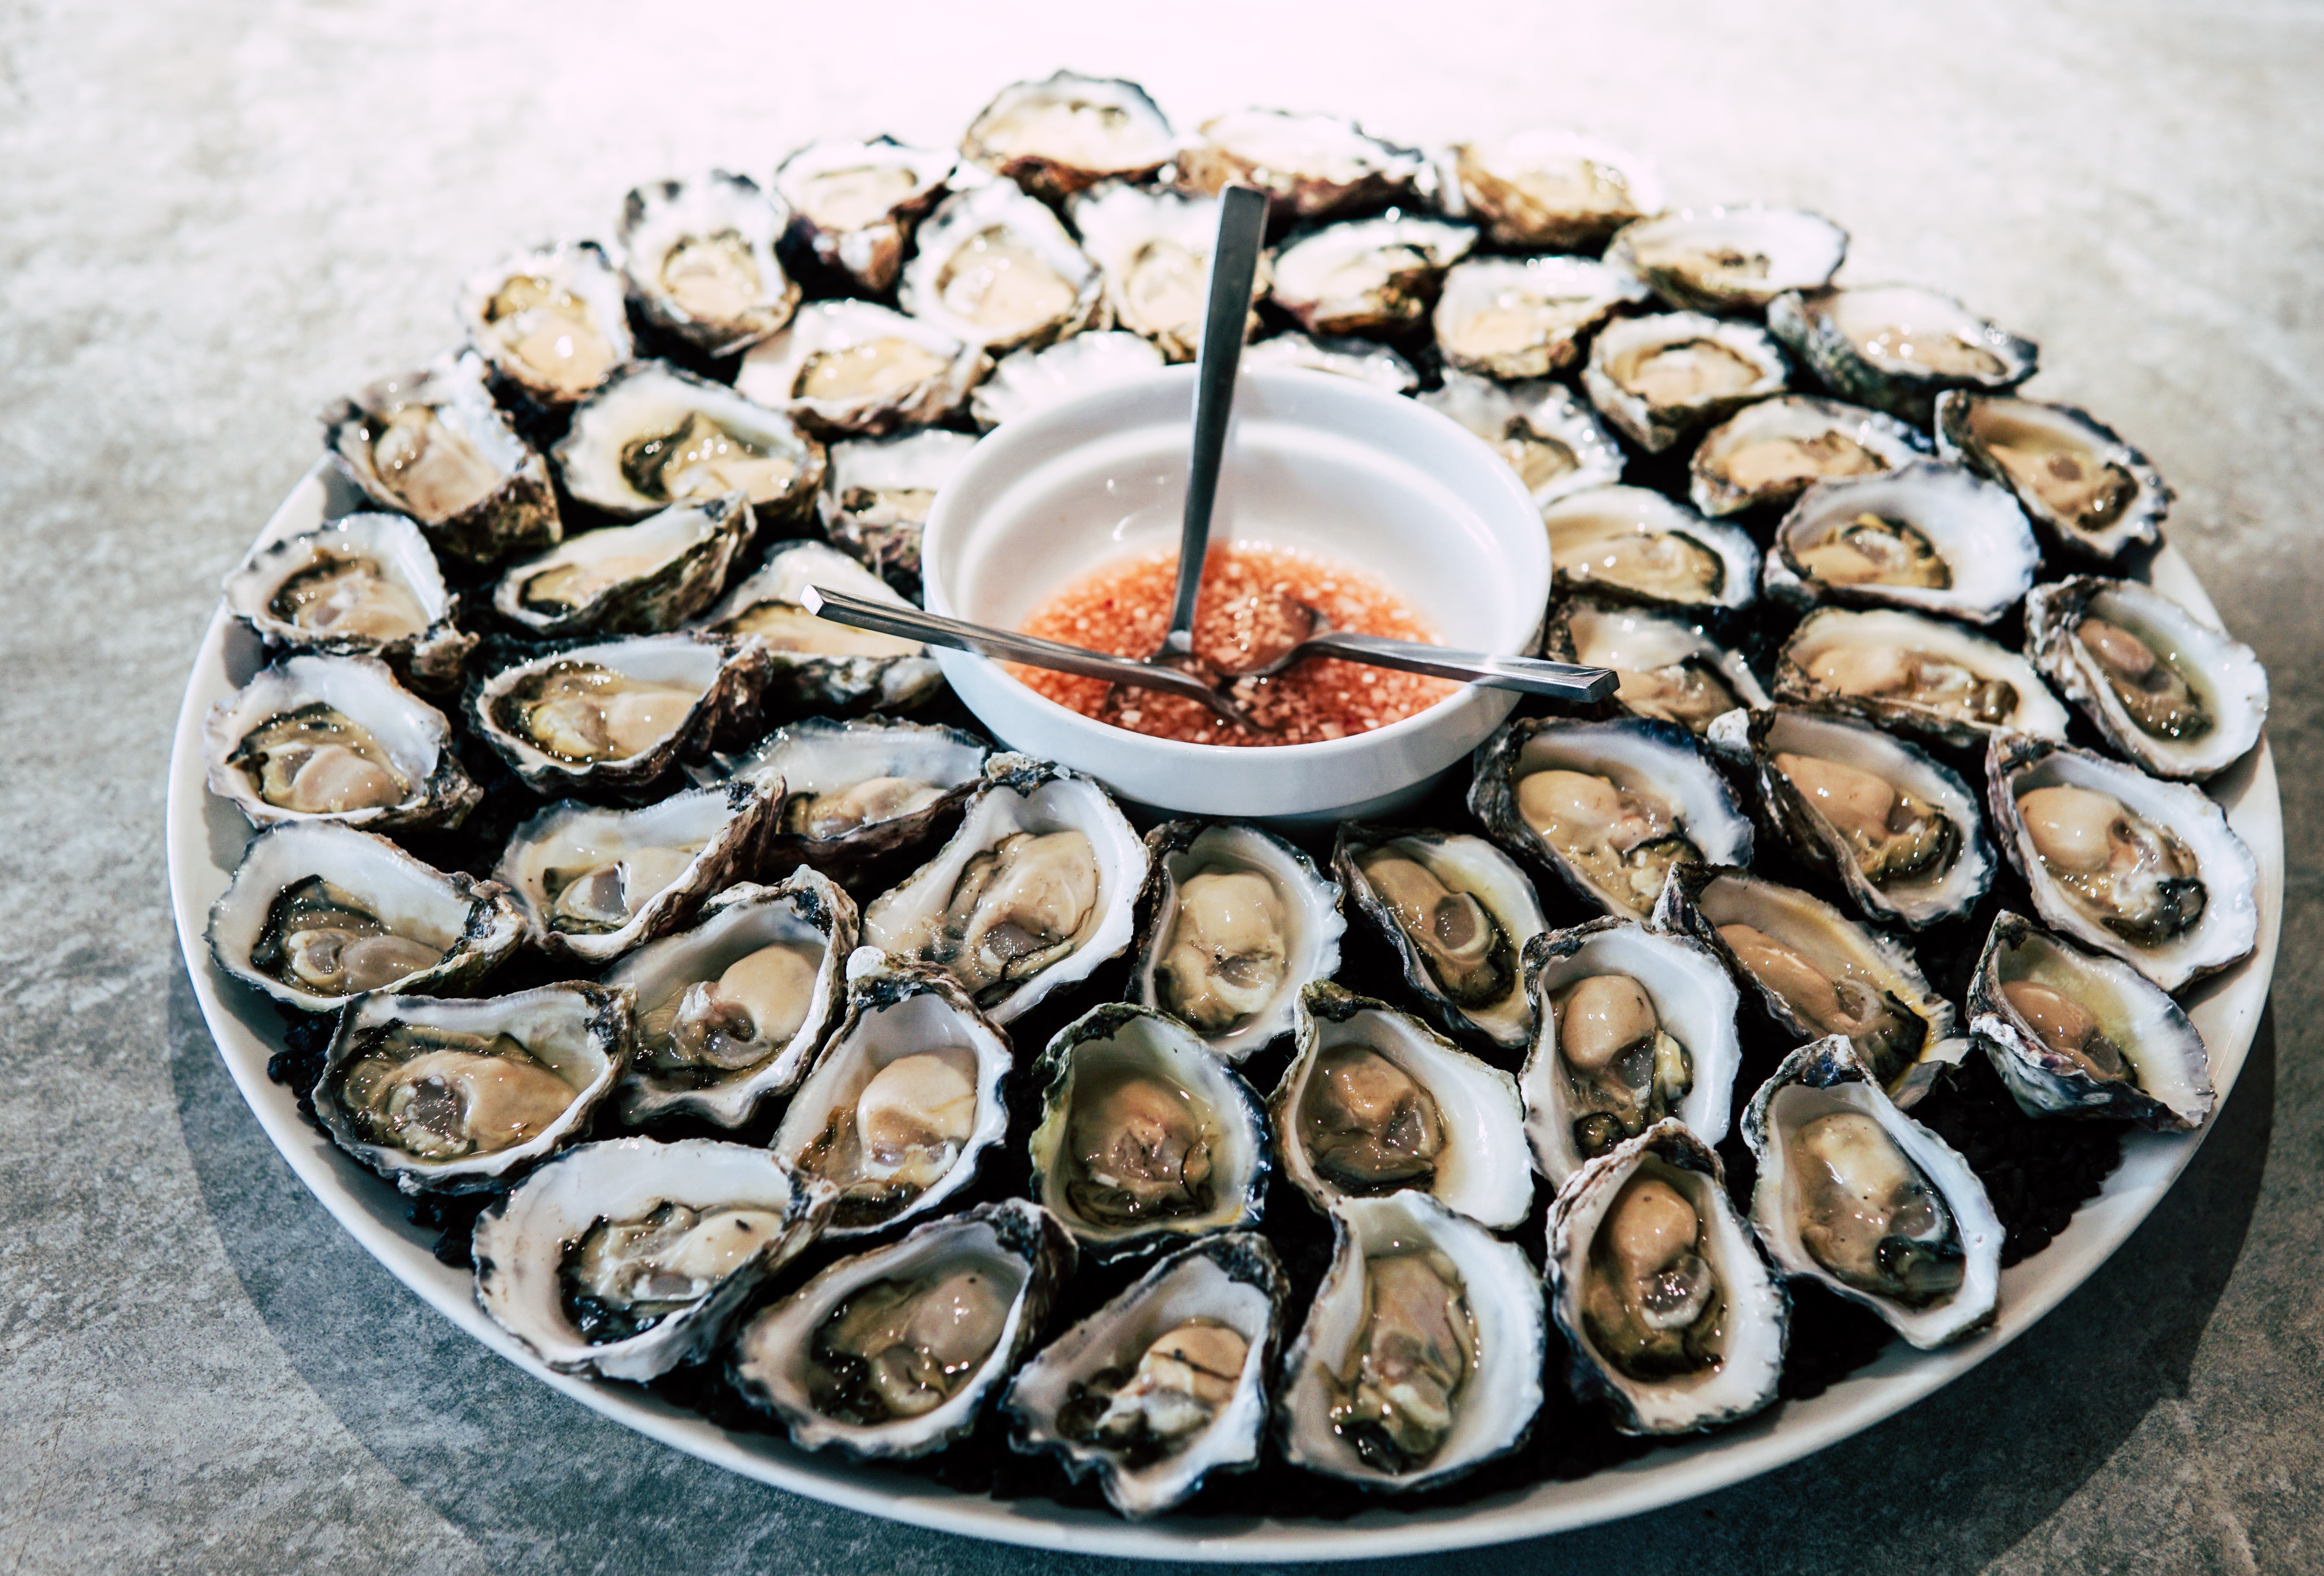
(1233, 923)
(699, 256)
(875, 502)
(853, 204)
(1771, 452)
(845, 368)
(1027, 380)
(628, 1258)
(551, 322)
(1458, 911)
(1925, 536)
(1311, 166)
(594, 883)
(817, 664)
(1367, 276)
(1632, 1025)
(655, 435)
(895, 1352)
(630, 579)
(613, 716)
(1896, 829)
(1056, 136)
(440, 1095)
(2075, 1033)
(855, 791)
(1146, 1138)
(335, 738)
(1549, 437)
(1856, 1194)
(997, 271)
(432, 445)
(1729, 260)
(2172, 693)
(1671, 669)
(1896, 347)
(2146, 870)
(1421, 1353)
(2089, 495)
(317, 913)
(1154, 248)
(731, 1010)
(1657, 378)
(1675, 1320)
(905, 1100)
(1632, 544)
(1525, 318)
(1376, 1103)
(1037, 887)
(1361, 359)
(1818, 972)
(1547, 190)
(1609, 807)
(363, 586)
(1165, 1384)
(1916, 674)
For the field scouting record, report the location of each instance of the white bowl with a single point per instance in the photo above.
(1318, 463)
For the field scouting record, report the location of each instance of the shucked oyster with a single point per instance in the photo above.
(337, 739)
(997, 271)
(1155, 247)
(816, 664)
(1660, 378)
(613, 716)
(1311, 166)
(1897, 348)
(2175, 694)
(876, 499)
(1916, 674)
(856, 791)
(1549, 437)
(699, 256)
(1548, 189)
(1671, 667)
(1057, 136)
(551, 322)
(854, 205)
(1926, 536)
(1458, 913)
(364, 585)
(1635, 545)
(2091, 494)
(630, 579)
(1509, 317)
(654, 436)
(1770, 452)
(854, 366)
(1725, 260)
(1367, 276)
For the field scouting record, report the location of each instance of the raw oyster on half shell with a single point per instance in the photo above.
(2172, 692)
(1025, 381)
(1915, 675)
(1635, 545)
(817, 664)
(2089, 493)
(1770, 452)
(630, 579)
(1365, 360)
(854, 205)
(1897, 348)
(875, 500)
(1547, 190)
(1525, 318)
(612, 716)
(858, 790)
(1926, 536)
(1155, 247)
(1458, 911)
(362, 585)
(1659, 378)
(656, 434)
(552, 321)
(335, 738)
(1367, 276)
(1671, 667)
(1549, 435)
(1311, 166)
(1729, 259)
(997, 271)
(1058, 135)
(699, 256)
(850, 366)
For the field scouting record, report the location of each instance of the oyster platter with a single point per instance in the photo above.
(689, 998)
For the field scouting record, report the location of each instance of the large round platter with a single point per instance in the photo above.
(206, 837)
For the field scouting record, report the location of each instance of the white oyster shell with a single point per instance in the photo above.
(1525, 318)
(1671, 667)
(1896, 347)
(1365, 360)
(818, 665)
(722, 676)
(855, 204)
(645, 407)
(1770, 452)
(1547, 189)
(1367, 276)
(1155, 247)
(1025, 381)
(2089, 495)
(1462, 864)
(1060, 134)
(1311, 166)
(820, 759)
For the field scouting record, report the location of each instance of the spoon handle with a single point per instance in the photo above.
(1234, 263)
(1532, 675)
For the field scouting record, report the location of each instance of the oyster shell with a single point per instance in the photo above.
(1659, 378)
(1422, 1352)
(1367, 276)
(851, 366)
(2075, 1033)
(1771, 452)
(1146, 1138)
(594, 883)
(1631, 1026)
(335, 738)
(1037, 887)
(2089, 495)
(875, 501)
(551, 322)
(1311, 166)
(315, 913)
(815, 664)
(997, 271)
(1632, 544)
(1163, 1385)
(630, 579)
(1458, 911)
(731, 1010)
(1525, 318)
(905, 1101)
(1027, 380)
(853, 204)
(613, 716)
(654, 436)
(2177, 696)
(1058, 135)
(1896, 347)
(439, 1095)
(1548, 435)
(1375, 1103)
(1547, 190)
(1360, 359)
(1154, 248)
(1233, 923)
(1854, 1193)
(363, 586)
(432, 445)
(1916, 674)
(1609, 807)
(699, 257)
(1926, 536)
(628, 1258)
(895, 1352)
(1729, 260)
(856, 791)
(1675, 1318)
(1671, 668)
(2146, 870)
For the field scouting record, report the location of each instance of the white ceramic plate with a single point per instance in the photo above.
(206, 837)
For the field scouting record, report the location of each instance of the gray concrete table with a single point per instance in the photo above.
(217, 215)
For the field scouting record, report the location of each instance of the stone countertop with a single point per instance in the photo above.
(219, 215)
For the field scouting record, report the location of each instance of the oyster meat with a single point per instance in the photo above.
(630, 579)
(1915, 675)
(854, 791)
(1632, 544)
(655, 435)
(815, 664)
(1311, 166)
(362, 585)
(699, 258)
(1671, 668)
(875, 504)
(1926, 536)
(551, 322)
(1771, 452)
(2089, 493)
(1897, 348)
(1367, 276)
(845, 368)
(854, 205)
(1458, 913)
(1154, 248)
(997, 271)
(1729, 260)
(613, 715)
(1512, 318)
